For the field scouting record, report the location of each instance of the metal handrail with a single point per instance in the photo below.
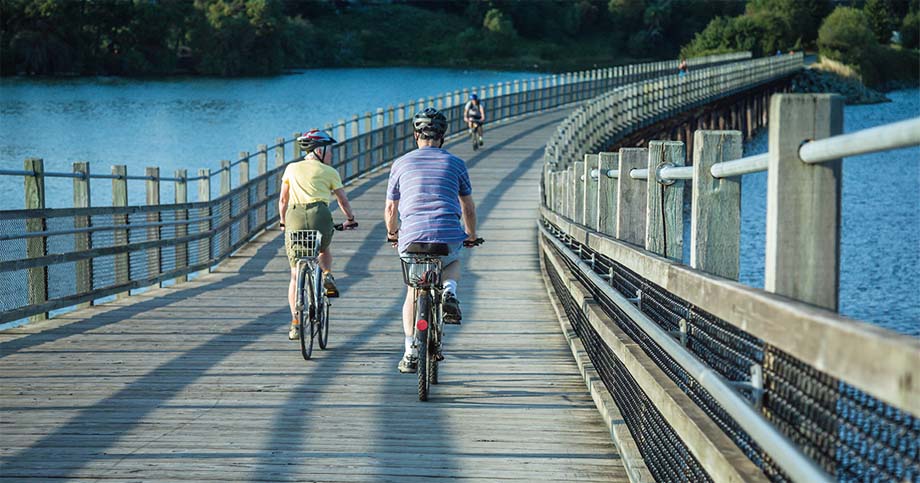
(880, 138)
(781, 449)
(95, 228)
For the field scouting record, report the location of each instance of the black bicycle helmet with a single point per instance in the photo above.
(430, 122)
(313, 139)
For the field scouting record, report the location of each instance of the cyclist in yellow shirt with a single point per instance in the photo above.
(306, 187)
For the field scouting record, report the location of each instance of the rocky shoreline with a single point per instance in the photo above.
(821, 81)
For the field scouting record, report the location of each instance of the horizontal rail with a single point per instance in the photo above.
(95, 228)
(881, 138)
(738, 167)
(676, 172)
(783, 451)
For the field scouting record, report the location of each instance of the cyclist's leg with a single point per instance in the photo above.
(408, 313)
(292, 289)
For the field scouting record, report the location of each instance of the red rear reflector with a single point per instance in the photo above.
(422, 324)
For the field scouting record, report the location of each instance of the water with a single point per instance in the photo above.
(880, 236)
(189, 123)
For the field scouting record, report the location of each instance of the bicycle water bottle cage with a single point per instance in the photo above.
(436, 249)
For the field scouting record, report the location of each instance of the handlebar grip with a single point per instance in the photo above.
(474, 243)
(341, 226)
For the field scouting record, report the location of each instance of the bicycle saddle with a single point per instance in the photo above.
(437, 249)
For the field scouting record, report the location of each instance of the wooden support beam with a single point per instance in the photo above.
(154, 255)
(715, 225)
(607, 193)
(182, 249)
(121, 237)
(82, 241)
(631, 197)
(36, 246)
(803, 201)
(664, 226)
(590, 202)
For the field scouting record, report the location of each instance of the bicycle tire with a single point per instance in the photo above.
(322, 312)
(305, 315)
(422, 312)
(435, 345)
(475, 141)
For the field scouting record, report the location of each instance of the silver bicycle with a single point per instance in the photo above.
(312, 305)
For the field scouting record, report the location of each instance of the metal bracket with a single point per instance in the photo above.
(637, 299)
(664, 181)
(754, 386)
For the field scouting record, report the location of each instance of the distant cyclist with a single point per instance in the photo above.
(306, 187)
(429, 199)
(474, 115)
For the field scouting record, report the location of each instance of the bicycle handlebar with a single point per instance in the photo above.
(466, 243)
(341, 226)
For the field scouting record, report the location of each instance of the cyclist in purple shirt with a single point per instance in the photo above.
(429, 199)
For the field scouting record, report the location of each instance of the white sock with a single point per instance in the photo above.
(410, 341)
(450, 285)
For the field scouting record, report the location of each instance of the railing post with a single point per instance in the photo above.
(607, 193)
(205, 245)
(368, 146)
(578, 212)
(803, 201)
(262, 188)
(225, 208)
(664, 226)
(36, 247)
(279, 153)
(631, 195)
(298, 153)
(121, 237)
(154, 255)
(181, 190)
(83, 241)
(715, 223)
(590, 202)
(244, 198)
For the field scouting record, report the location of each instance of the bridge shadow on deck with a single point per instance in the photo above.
(224, 345)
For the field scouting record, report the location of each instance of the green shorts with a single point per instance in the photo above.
(314, 216)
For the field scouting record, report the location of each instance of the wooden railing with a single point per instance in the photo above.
(53, 258)
(751, 384)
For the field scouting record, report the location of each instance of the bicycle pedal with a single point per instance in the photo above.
(439, 357)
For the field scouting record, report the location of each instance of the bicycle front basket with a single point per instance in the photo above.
(421, 272)
(304, 243)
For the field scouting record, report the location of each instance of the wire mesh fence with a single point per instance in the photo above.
(852, 435)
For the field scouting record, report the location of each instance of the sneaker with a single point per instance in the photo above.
(408, 364)
(294, 333)
(481, 141)
(451, 307)
(329, 284)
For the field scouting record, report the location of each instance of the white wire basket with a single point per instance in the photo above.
(304, 243)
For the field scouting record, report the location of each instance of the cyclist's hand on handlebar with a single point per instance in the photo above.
(473, 242)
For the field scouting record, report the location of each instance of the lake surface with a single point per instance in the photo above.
(189, 123)
(194, 123)
(880, 236)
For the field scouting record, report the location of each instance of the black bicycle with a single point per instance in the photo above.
(476, 134)
(312, 306)
(422, 271)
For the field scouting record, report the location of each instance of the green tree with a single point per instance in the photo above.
(846, 36)
(802, 16)
(881, 19)
(910, 30)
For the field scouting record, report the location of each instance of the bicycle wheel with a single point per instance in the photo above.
(435, 345)
(475, 140)
(422, 311)
(305, 312)
(322, 311)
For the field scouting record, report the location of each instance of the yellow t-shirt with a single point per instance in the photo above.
(311, 181)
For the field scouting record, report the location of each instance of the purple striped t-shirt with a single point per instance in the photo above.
(427, 182)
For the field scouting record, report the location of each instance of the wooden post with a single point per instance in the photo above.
(279, 152)
(244, 198)
(205, 252)
(607, 193)
(121, 237)
(226, 207)
(83, 241)
(664, 226)
(590, 202)
(181, 189)
(298, 153)
(36, 247)
(154, 255)
(715, 224)
(578, 171)
(803, 201)
(631, 195)
(262, 188)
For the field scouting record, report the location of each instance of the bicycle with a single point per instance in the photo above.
(311, 305)
(422, 271)
(476, 134)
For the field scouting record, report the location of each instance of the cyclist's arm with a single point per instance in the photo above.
(283, 199)
(391, 216)
(342, 198)
(468, 208)
(482, 112)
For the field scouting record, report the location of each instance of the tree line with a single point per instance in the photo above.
(264, 37)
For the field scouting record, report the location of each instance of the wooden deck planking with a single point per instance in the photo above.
(198, 382)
